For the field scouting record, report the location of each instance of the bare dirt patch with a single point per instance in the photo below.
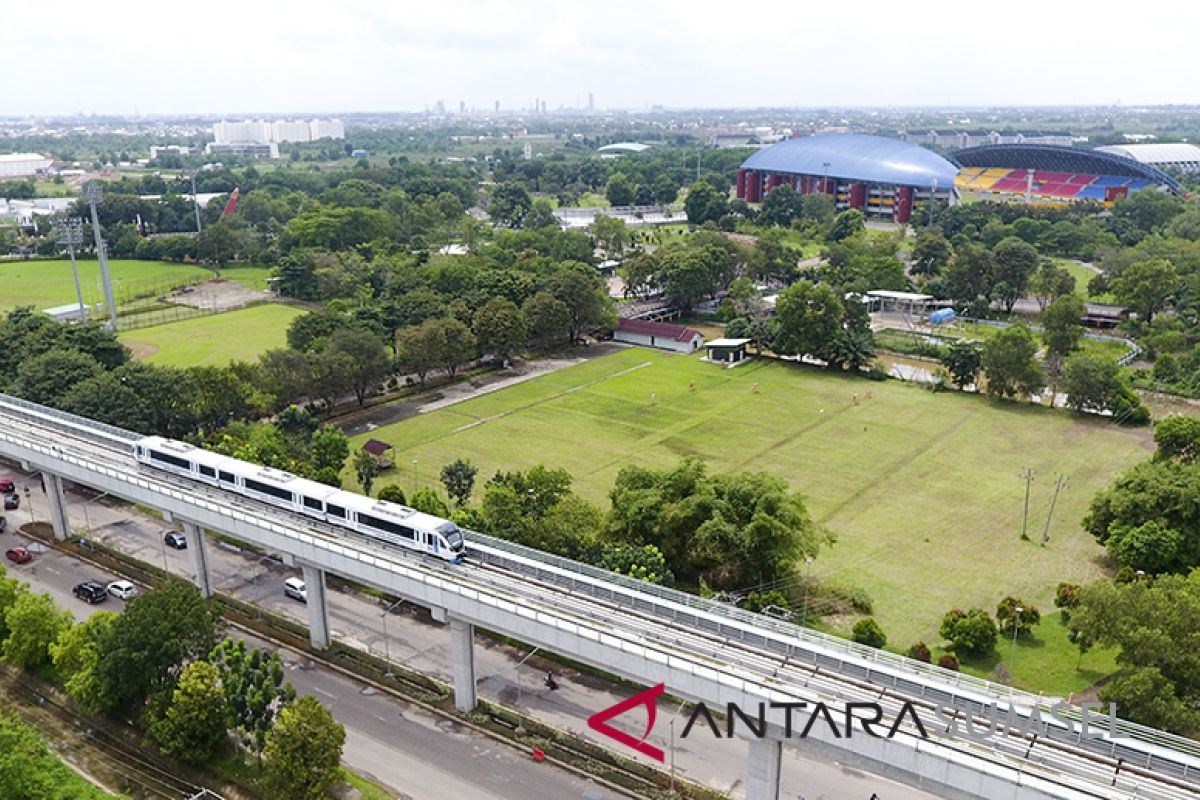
(141, 350)
(220, 294)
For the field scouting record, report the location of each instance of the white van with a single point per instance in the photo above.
(295, 589)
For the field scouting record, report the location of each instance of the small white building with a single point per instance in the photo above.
(661, 335)
(22, 165)
(726, 351)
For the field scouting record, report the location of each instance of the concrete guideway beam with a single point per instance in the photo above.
(462, 654)
(318, 608)
(198, 550)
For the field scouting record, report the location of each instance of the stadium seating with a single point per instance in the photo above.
(1064, 185)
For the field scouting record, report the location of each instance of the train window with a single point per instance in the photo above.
(389, 527)
(266, 488)
(208, 472)
(227, 477)
(312, 502)
(167, 458)
(335, 511)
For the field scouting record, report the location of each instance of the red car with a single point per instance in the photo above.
(6, 486)
(18, 555)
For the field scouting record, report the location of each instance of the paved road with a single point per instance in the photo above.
(415, 641)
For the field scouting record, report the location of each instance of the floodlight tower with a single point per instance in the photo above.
(92, 194)
(70, 233)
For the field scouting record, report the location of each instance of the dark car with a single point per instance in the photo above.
(18, 555)
(175, 539)
(91, 592)
(7, 486)
(3, 523)
(11, 501)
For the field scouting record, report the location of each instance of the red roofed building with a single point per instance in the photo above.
(662, 335)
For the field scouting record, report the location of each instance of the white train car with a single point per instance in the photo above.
(389, 522)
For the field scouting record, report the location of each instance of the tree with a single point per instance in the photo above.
(328, 448)
(1177, 438)
(159, 632)
(818, 207)
(1062, 325)
(852, 349)
(427, 500)
(971, 631)
(1008, 618)
(303, 752)
(1145, 286)
(703, 203)
(548, 318)
(580, 287)
(665, 189)
(1151, 547)
(459, 479)
(367, 356)
(611, 234)
(30, 770)
(963, 359)
(194, 726)
(686, 276)
(931, 253)
(1050, 282)
(254, 689)
(47, 378)
(451, 342)
(1092, 382)
(76, 653)
(969, 276)
(1010, 363)
(541, 214)
(620, 190)
(810, 316)
(867, 631)
(392, 494)
(1015, 261)
(414, 352)
(500, 328)
(846, 224)
(781, 206)
(34, 623)
(509, 205)
(920, 652)
(365, 468)
(1151, 621)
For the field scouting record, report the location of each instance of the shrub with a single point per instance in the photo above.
(867, 631)
(1009, 619)
(972, 631)
(920, 652)
(949, 661)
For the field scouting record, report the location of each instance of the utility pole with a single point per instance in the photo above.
(1059, 485)
(1027, 474)
(195, 201)
(92, 194)
(70, 233)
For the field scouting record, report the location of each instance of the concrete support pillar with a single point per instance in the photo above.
(57, 500)
(462, 654)
(762, 769)
(198, 549)
(318, 611)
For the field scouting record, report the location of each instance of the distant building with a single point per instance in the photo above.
(726, 351)
(661, 335)
(1181, 156)
(291, 131)
(157, 151)
(247, 131)
(621, 148)
(326, 129)
(246, 149)
(20, 165)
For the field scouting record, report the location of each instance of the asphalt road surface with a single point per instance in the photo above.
(406, 749)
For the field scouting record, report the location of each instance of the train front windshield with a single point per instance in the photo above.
(453, 535)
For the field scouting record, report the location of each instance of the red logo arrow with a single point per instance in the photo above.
(599, 721)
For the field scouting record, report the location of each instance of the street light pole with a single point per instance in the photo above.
(70, 233)
(195, 201)
(517, 671)
(387, 650)
(1012, 653)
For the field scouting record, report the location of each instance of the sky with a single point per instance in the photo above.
(244, 56)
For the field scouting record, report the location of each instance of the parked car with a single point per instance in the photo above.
(175, 539)
(295, 589)
(11, 501)
(123, 590)
(7, 486)
(3, 523)
(18, 555)
(91, 592)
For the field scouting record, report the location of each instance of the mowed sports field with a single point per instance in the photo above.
(922, 490)
(46, 284)
(214, 340)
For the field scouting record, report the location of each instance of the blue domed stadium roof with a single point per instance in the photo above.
(856, 157)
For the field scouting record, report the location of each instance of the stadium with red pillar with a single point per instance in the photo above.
(886, 179)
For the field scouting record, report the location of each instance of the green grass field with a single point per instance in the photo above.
(46, 284)
(1082, 275)
(922, 490)
(217, 339)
